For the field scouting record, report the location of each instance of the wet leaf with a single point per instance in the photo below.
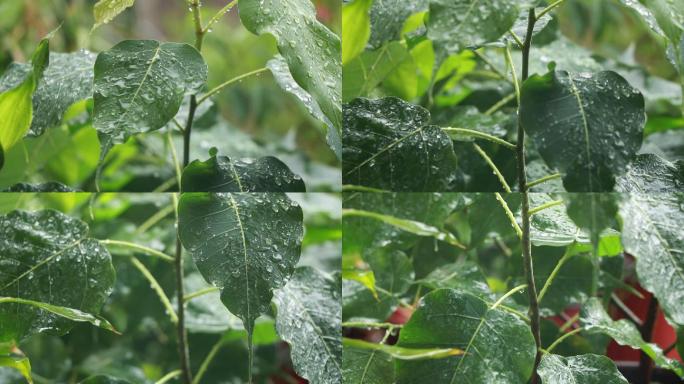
(389, 144)
(595, 319)
(312, 52)
(387, 19)
(139, 87)
(458, 24)
(51, 186)
(364, 73)
(592, 212)
(245, 244)
(585, 369)
(366, 365)
(401, 353)
(393, 270)
(106, 10)
(309, 319)
(601, 118)
(21, 364)
(552, 226)
(44, 255)
(649, 173)
(464, 276)
(221, 174)
(355, 28)
(652, 233)
(498, 346)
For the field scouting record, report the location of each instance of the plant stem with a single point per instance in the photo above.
(361, 324)
(562, 338)
(188, 131)
(549, 8)
(157, 288)
(543, 179)
(480, 135)
(522, 185)
(218, 15)
(544, 206)
(500, 104)
(553, 274)
(235, 79)
(169, 376)
(183, 349)
(153, 220)
(508, 294)
(491, 164)
(199, 293)
(509, 213)
(140, 248)
(646, 329)
(626, 311)
(207, 360)
(174, 157)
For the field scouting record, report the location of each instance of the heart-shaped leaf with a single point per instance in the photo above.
(585, 369)
(45, 255)
(309, 319)
(389, 144)
(497, 346)
(588, 127)
(312, 52)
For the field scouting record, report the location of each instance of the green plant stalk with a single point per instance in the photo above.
(509, 214)
(491, 164)
(552, 276)
(533, 310)
(543, 180)
(157, 288)
(139, 248)
(544, 206)
(235, 79)
(207, 360)
(199, 293)
(480, 135)
(562, 338)
(182, 335)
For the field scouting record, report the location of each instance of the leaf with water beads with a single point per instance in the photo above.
(105, 11)
(308, 318)
(45, 254)
(389, 144)
(589, 127)
(312, 52)
(585, 369)
(649, 173)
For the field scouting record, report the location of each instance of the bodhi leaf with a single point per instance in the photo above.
(389, 144)
(221, 174)
(649, 173)
(106, 10)
(589, 127)
(497, 346)
(67, 313)
(465, 276)
(458, 24)
(585, 369)
(309, 319)
(312, 52)
(46, 254)
(139, 87)
(247, 244)
(652, 233)
(595, 319)
(67, 79)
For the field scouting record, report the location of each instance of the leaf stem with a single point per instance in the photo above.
(361, 324)
(140, 248)
(174, 157)
(361, 188)
(526, 245)
(491, 65)
(510, 214)
(199, 293)
(218, 15)
(169, 376)
(543, 179)
(508, 294)
(154, 219)
(562, 338)
(646, 329)
(154, 284)
(500, 104)
(182, 335)
(491, 164)
(554, 273)
(207, 360)
(516, 38)
(544, 206)
(514, 75)
(549, 8)
(235, 79)
(481, 135)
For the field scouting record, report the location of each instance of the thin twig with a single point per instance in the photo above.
(546, 205)
(543, 179)
(509, 214)
(562, 338)
(157, 288)
(154, 219)
(218, 15)
(207, 360)
(626, 311)
(235, 79)
(500, 104)
(199, 293)
(481, 135)
(491, 164)
(139, 248)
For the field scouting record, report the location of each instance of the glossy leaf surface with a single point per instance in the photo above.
(585, 369)
(105, 11)
(649, 173)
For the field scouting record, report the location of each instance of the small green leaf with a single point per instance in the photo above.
(585, 369)
(595, 319)
(221, 174)
(106, 10)
(389, 144)
(21, 364)
(355, 28)
(498, 347)
(309, 319)
(588, 127)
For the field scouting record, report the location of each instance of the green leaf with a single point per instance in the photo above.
(600, 119)
(312, 51)
(552, 226)
(464, 276)
(401, 353)
(364, 73)
(595, 319)
(282, 75)
(104, 379)
(365, 365)
(649, 173)
(45, 255)
(652, 233)
(389, 144)
(585, 369)
(645, 14)
(392, 270)
(358, 302)
(355, 28)
(16, 104)
(458, 24)
(487, 216)
(388, 17)
(592, 212)
(221, 174)
(106, 10)
(469, 117)
(139, 87)
(51, 186)
(498, 346)
(67, 79)
(245, 244)
(309, 319)
(21, 364)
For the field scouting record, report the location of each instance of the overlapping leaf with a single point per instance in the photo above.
(585, 369)
(649, 173)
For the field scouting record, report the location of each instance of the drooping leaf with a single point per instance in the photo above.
(389, 144)
(552, 226)
(106, 10)
(585, 369)
(45, 254)
(588, 127)
(309, 319)
(392, 270)
(221, 174)
(458, 24)
(595, 319)
(387, 19)
(312, 52)
(67, 79)
(139, 87)
(355, 28)
(497, 346)
(20, 363)
(645, 14)
(364, 73)
(247, 244)
(649, 173)
(652, 233)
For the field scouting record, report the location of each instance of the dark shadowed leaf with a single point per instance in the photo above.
(465, 276)
(649, 173)
(592, 212)
(393, 270)
(51, 186)
(104, 379)
(585, 369)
